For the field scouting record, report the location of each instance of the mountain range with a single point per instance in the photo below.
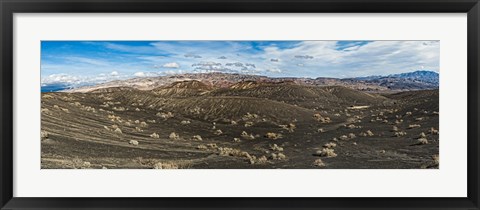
(417, 80)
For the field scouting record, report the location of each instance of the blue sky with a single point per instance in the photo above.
(77, 63)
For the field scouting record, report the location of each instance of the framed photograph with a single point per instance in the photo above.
(239, 105)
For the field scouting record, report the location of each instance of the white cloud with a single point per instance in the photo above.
(139, 74)
(114, 73)
(171, 65)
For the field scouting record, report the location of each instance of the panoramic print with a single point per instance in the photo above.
(240, 104)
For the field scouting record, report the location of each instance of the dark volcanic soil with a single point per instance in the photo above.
(284, 126)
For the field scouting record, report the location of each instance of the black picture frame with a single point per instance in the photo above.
(9, 7)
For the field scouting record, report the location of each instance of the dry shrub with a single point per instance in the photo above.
(422, 141)
(133, 142)
(118, 130)
(161, 165)
(279, 156)
(343, 137)
(43, 135)
(419, 118)
(422, 135)
(165, 116)
(155, 136)
(318, 163)
(414, 126)
(143, 124)
(248, 124)
(327, 152)
(262, 160)
(272, 135)
(185, 122)
(174, 136)
(138, 129)
(290, 127)
(213, 145)
(330, 145)
(196, 138)
(320, 130)
(237, 140)
(202, 147)
(277, 148)
(433, 131)
(394, 128)
(408, 113)
(218, 132)
(245, 135)
(351, 136)
(400, 133)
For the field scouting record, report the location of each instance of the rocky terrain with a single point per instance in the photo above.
(240, 121)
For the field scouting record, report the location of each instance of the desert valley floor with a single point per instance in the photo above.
(192, 125)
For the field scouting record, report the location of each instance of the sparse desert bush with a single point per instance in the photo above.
(155, 136)
(233, 122)
(166, 165)
(137, 121)
(165, 116)
(414, 126)
(218, 132)
(330, 145)
(46, 111)
(394, 128)
(202, 147)
(197, 138)
(245, 135)
(119, 109)
(43, 135)
(281, 156)
(290, 127)
(143, 124)
(436, 160)
(433, 131)
(272, 135)
(367, 133)
(47, 96)
(237, 140)
(138, 129)
(422, 141)
(173, 136)
(185, 122)
(343, 137)
(318, 163)
(334, 139)
(422, 135)
(249, 116)
(248, 124)
(151, 121)
(262, 160)
(118, 130)
(133, 142)
(327, 152)
(351, 126)
(400, 133)
(351, 135)
(277, 148)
